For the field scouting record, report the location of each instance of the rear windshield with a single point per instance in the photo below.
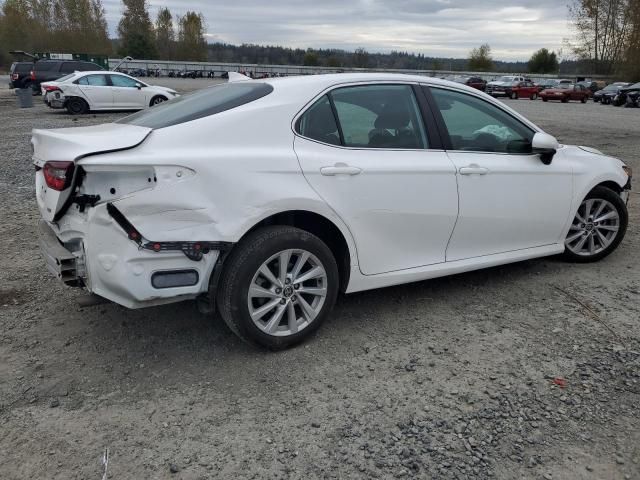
(199, 104)
(21, 67)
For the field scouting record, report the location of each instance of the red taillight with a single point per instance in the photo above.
(58, 175)
(32, 74)
(51, 88)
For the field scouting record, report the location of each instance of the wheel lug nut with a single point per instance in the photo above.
(296, 286)
(278, 291)
(582, 225)
(287, 281)
(283, 301)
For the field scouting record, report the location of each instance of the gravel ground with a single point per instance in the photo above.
(530, 370)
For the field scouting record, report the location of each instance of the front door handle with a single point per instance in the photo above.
(340, 169)
(473, 169)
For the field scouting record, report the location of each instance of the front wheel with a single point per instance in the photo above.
(278, 285)
(534, 96)
(583, 99)
(598, 226)
(545, 99)
(157, 100)
(514, 95)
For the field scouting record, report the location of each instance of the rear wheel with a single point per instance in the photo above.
(279, 284)
(514, 95)
(565, 99)
(534, 96)
(545, 99)
(77, 106)
(598, 227)
(583, 99)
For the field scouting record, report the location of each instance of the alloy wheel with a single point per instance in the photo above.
(594, 227)
(287, 292)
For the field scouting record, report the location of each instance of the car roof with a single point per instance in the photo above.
(324, 81)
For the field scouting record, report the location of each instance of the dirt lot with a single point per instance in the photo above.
(451, 378)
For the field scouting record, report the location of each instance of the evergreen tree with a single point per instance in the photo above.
(136, 31)
(165, 35)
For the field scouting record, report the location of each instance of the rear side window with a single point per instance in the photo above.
(93, 80)
(318, 123)
(199, 104)
(69, 67)
(369, 116)
(46, 66)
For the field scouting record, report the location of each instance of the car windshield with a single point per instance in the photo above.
(612, 88)
(635, 86)
(565, 86)
(506, 79)
(199, 104)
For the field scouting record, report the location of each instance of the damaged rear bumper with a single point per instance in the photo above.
(91, 249)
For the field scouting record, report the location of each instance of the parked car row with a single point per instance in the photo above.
(32, 74)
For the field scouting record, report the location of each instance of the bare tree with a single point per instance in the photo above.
(602, 31)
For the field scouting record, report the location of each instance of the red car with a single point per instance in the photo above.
(565, 92)
(517, 89)
(526, 89)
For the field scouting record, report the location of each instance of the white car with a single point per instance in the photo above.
(265, 198)
(80, 92)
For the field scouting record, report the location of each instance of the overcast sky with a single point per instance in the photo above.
(445, 28)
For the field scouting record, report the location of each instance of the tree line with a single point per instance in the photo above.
(606, 40)
(79, 26)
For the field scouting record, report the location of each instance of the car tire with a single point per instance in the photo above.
(157, 100)
(565, 100)
(77, 106)
(534, 96)
(583, 100)
(545, 99)
(262, 304)
(590, 239)
(514, 95)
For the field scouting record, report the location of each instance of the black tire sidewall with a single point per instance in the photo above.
(242, 265)
(154, 100)
(612, 197)
(83, 106)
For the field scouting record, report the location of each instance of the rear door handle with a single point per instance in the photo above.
(340, 169)
(473, 169)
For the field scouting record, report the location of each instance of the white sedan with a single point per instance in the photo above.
(265, 198)
(80, 92)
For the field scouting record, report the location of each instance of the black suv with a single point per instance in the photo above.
(20, 75)
(48, 70)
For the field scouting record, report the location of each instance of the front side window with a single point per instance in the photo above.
(318, 123)
(93, 80)
(122, 81)
(476, 125)
(379, 116)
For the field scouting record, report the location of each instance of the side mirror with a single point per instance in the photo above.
(138, 86)
(544, 145)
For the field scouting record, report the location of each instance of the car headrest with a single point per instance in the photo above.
(393, 116)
